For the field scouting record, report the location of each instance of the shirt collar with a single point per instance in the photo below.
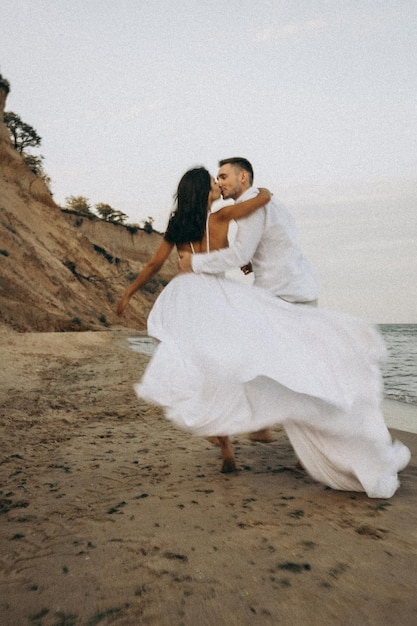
(249, 193)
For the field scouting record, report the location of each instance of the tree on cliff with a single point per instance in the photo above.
(79, 204)
(22, 135)
(148, 225)
(4, 84)
(25, 136)
(107, 213)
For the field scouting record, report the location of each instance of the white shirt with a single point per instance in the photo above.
(267, 238)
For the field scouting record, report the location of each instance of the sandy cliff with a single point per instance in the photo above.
(61, 271)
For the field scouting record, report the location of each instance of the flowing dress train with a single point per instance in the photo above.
(231, 358)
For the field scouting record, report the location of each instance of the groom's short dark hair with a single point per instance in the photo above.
(241, 163)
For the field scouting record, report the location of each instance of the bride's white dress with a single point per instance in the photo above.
(231, 358)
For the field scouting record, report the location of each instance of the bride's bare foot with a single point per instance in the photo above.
(264, 436)
(229, 463)
(228, 466)
(214, 440)
(299, 465)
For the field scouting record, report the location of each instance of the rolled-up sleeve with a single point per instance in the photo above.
(247, 239)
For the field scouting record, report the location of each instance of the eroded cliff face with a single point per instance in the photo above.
(62, 271)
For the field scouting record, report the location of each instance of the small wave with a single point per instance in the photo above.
(144, 345)
(400, 397)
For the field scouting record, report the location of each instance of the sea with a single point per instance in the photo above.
(399, 370)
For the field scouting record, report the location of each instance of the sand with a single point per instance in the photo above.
(109, 515)
(400, 416)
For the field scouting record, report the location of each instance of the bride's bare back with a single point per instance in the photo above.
(217, 230)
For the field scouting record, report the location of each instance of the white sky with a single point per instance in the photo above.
(321, 97)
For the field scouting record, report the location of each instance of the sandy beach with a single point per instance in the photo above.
(109, 515)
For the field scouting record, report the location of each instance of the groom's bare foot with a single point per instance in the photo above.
(264, 436)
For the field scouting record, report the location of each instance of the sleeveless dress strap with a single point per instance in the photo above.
(207, 232)
(207, 236)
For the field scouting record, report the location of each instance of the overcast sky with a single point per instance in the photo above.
(321, 97)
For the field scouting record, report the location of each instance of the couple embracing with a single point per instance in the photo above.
(234, 358)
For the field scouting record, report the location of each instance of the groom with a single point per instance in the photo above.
(266, 243)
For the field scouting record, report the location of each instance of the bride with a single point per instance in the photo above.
(232, 358)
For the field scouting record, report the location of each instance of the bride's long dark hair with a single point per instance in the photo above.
(188, 220)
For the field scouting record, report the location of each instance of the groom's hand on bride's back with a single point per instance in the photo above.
(184, 262)
(247, 269)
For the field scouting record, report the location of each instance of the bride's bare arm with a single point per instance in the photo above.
(245, 208)
(151, 268)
